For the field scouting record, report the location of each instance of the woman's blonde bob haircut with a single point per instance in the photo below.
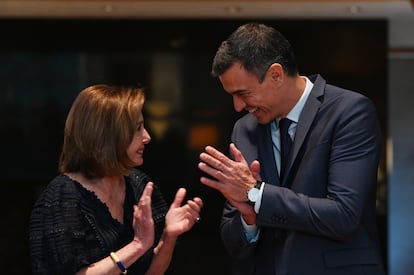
(99, 128)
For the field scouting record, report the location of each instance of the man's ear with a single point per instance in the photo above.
(276, 72)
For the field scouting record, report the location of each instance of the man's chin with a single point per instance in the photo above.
(261, 119)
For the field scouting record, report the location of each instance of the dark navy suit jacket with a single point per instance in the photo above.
(320, 219)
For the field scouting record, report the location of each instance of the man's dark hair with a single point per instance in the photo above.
(255, 46)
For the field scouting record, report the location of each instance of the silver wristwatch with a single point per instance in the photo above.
(253, 193)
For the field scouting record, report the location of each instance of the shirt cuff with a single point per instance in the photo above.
(250, 230)
(259, 200)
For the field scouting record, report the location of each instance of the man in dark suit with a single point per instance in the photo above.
(318, 218)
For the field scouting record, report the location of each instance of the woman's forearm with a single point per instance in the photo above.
(162, 255)
(128, 255)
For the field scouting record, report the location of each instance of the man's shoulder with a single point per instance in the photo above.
(247, 121)
(335, 93)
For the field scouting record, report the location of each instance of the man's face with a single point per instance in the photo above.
(259, 99)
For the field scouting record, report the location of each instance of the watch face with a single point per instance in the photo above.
(253, 194)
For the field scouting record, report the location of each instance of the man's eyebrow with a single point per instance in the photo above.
(238, 91)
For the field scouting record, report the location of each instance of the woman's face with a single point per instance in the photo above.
(135, 150)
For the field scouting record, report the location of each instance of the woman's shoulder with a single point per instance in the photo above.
(138, 174)
(138, 177)
(138, 180)
(61, 186)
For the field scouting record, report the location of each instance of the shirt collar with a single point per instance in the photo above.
(297, 109)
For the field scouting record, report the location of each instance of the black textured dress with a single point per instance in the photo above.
(71, 228)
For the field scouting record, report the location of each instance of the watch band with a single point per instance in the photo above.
(258, 184)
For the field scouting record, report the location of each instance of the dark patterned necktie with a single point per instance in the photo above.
(285, 144)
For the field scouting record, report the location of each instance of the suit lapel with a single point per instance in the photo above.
(306, 118)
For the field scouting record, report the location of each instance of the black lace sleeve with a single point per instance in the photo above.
(56, 230)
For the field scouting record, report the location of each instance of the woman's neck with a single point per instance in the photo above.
(109, 190)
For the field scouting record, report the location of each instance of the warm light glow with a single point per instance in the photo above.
(390, 156)
(201, 135)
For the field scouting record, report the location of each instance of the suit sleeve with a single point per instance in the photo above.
(231, 229)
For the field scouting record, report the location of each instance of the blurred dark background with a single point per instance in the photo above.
(44, 63)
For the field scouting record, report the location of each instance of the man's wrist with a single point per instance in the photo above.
(253, 193)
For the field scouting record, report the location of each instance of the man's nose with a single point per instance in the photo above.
(238, 104)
